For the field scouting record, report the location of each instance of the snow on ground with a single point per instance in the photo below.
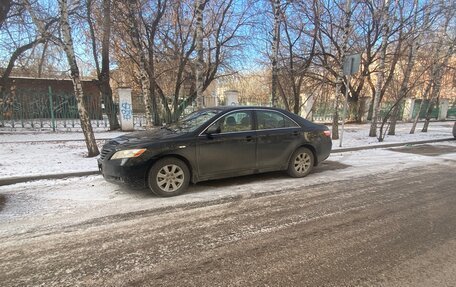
(358, 135)
(34, 136)
(25, 154)
(42, 153)
(43, 158)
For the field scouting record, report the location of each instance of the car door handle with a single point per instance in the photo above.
(295, 133)
(248, 138)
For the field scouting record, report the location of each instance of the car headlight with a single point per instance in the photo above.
(128, 153)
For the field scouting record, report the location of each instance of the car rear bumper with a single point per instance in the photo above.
(324, 150)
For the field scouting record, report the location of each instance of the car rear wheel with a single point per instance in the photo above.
(301, 162)
(169, 177)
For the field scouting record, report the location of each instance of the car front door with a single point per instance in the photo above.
(277, 137)
(227, 147)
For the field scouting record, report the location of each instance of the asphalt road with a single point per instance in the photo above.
(390, 229)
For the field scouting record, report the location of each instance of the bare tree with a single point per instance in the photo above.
(276, 8)
(414, 41)
(68, 47)
(103, 73)
(134, 8)
(363, 36)
(381, 69)
(168, 34)
(18, 48)
(401, 39)
(343, 52)
(296, 52)
(441, 61)
(200, 5)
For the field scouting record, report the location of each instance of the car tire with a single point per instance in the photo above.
(301, 162)
(169, 177)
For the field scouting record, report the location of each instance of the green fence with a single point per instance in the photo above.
(421, 107)
(32, 109)
(451, 114)
(325, 113)
(49, 110)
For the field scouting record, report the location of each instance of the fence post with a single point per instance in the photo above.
(444, 104)
(409, 107)
(126, 109)
(51, 105)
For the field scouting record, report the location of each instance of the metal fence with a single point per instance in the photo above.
(28, 109)
(64, 124)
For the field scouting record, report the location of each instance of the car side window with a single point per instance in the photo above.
(235, 122)
(273, 120)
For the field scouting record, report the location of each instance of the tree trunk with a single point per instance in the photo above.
(42, 59)
(413, 45)
(297, 100)
(105, 87)
(69, 51)
(103, 74)
(335, 124)
(429, 110)
(143, 63)
(381, 73)
(5, 6)
(145, 89)
(436, 79)
(153, 91)
(200, 4)
(393, 121)
(415, 120)
(283, 96)
(275, 52)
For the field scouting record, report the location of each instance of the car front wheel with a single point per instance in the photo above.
(169, 177)
(301, 162)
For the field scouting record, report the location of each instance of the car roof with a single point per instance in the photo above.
(230, 108)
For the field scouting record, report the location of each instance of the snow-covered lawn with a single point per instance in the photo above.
(25, 154)
(358, 135)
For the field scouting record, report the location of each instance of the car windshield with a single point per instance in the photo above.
(193, 121)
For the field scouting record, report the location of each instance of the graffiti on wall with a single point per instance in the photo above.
(126, 110)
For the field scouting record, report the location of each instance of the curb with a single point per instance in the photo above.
(14, 180)
(19, 179)
(53, 140)
(390, 145)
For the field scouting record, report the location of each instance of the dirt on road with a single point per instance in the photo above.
(392, 229)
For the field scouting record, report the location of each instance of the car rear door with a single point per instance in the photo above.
(231, 150)
(277, 137)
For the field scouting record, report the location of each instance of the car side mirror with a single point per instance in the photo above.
(214, 129)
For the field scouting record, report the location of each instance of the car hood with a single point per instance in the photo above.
(145, 137)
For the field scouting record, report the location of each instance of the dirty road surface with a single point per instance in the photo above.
(394, 228)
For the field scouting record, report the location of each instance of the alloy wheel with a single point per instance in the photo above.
(302, 162)
(170, 178)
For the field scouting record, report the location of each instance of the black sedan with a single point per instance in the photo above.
(215, 143)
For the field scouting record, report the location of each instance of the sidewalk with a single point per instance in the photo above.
(31, 156)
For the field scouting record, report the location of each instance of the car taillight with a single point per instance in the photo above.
(327, 133)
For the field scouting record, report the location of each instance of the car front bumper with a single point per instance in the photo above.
(124, 171)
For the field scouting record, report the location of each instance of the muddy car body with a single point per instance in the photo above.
(215, 143)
